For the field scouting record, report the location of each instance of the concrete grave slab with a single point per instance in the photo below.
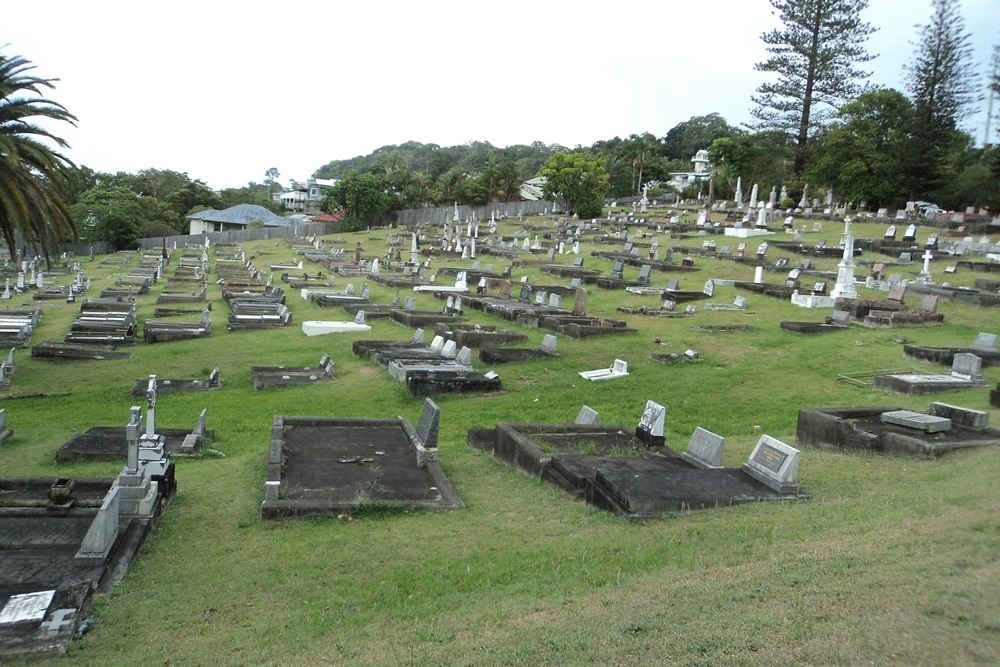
(320, 466)
(862, 429)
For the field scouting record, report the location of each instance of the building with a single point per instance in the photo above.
(234, 218)
(702, 170)
(304, 198)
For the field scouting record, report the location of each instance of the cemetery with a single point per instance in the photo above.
(358, 460)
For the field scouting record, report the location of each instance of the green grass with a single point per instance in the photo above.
(893, 561)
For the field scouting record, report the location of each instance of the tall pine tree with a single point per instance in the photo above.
(815, 56)
(942, 82)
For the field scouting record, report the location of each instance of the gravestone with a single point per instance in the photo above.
(673, 285)
(911, 233)
(580, 302)
(525, 294)
(644, 274)
(505, 288)
(890, 233)
(774, 464)
(896, 293)
(548, 344)
(985, 342)
(929, 304)
(650, 429)
(705, 449)
(967, 366)
(709, 289)
(587, 417)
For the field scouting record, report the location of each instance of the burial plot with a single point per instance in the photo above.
(501, 355)
(165, 387)
(161, 331)
(64, 539)
(965, 374)
(76, 351)
(613, 469)
(896, 431)
(17, 326)
(984, 347)
(108, 443)
(326, 466)
(840, 320)
(477, 335)
(267, 377)
(321, 327)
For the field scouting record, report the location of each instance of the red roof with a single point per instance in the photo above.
(336, 216)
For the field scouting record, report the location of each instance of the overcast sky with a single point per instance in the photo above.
(224, 91)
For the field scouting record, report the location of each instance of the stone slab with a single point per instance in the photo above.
(917, 420)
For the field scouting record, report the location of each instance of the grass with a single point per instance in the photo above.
(892, 561)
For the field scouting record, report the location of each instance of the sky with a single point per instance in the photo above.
(223, 92)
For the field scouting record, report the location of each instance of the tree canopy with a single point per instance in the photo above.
(814, 56)
(32, 172)
(578, 180)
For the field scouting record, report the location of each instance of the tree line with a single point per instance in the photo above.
(814, 122)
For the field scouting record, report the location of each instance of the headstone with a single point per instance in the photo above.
(580, 302)
(911, 233)
(705, 449)
(650, 429)
(427, 428)
(587, 417)
(917, 420)
(709, 289)
(961, 416)
(967, 366)
(896, 293)
(774, 464)
(548, 344)
(985, 342)
(929, 304)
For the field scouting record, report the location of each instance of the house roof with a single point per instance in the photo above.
(336, 216)
(242, 214)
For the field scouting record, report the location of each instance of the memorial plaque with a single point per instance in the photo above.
(769, 457)
(26, 607)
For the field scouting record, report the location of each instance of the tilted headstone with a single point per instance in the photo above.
(673, 285)
(709, 289)
(548, 344)
(896, 293)
(774, 464)
(929, 304)
(427, 433)
(410, 303)
(587, 417)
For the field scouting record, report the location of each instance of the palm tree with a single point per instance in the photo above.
(32, 172)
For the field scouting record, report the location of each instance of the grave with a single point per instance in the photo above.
(160, 331)
(165, 387)
(327, 466)
(502, 355)
(267, 377)
(65, 539)
(76, 351)
(110, 443)
(984, 347)
(618, 369)
(611, 468)
(965, 374)
(321, 327)
(896, 431)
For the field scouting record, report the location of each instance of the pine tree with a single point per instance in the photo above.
(815, 55)
(942, 82)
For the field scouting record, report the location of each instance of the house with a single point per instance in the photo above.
(531, 190)
(304, 198)
(234, 218)
(702, 171)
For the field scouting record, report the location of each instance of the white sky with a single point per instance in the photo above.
(223, 91)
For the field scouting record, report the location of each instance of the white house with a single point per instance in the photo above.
(304, 198)
(702, 171)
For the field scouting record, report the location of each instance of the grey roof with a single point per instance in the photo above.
(242, 214)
